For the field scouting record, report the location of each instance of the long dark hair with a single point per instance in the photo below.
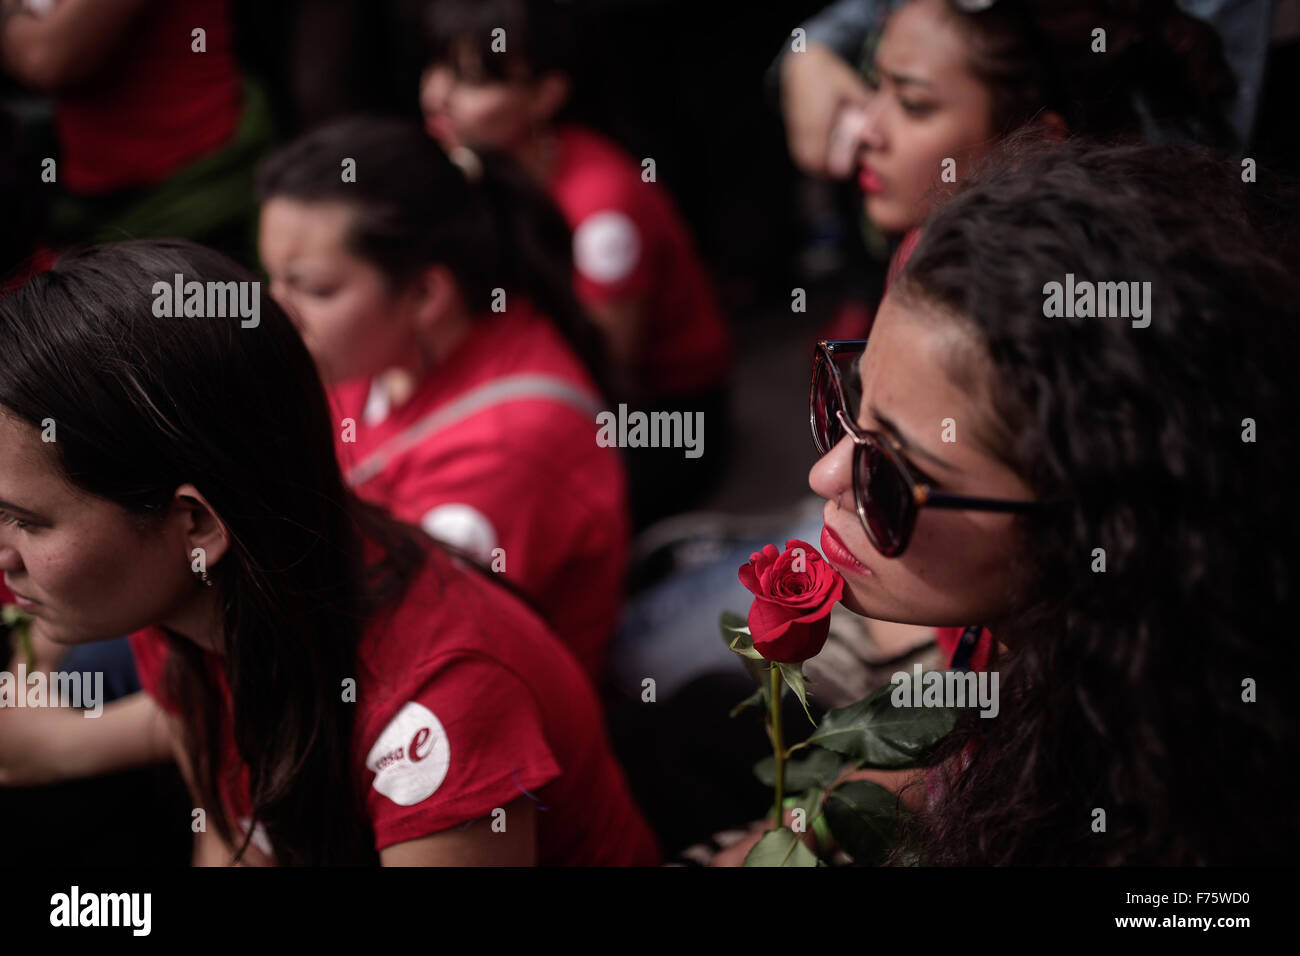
(542, 36)
(1124, 691)
(412, 207)
(1038, 55)
(144, 404)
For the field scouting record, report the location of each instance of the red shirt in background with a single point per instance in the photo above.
(630, 242)
(464, 704)
(42, 260)
(524, 475)
(904, 252)
(853, 320)
(155, 105)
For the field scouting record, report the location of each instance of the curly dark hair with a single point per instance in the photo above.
(1168, 446)
(1039, 55)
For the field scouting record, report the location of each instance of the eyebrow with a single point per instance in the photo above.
(902, 79)
(10, 506)
(910, 447)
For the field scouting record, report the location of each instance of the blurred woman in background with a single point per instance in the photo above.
(501, 77)
(435, 299)
(158, 127)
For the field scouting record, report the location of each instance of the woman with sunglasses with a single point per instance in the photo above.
(952, 79)
(336, 688)
(1101, 491)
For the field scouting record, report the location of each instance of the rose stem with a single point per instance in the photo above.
(778, 744)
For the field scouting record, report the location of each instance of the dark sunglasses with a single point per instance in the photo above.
(886, 493)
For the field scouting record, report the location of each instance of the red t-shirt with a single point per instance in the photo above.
(853, 320)
(464, 703)
(904, 252)
(520, 484)
(156, 105)
(630, 242)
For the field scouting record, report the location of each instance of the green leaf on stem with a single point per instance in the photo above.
(732, 624)
(877, 734)
(736, 633)
(782, 847)
(756, 699)
(864, 819)
(818, 769)
(794, 679)
(814, 818)
(743, 646)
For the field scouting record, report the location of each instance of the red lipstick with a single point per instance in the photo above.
(838, 554)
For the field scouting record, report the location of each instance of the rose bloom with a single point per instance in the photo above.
(794, 591)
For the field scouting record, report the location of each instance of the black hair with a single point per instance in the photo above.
(1167, 446)
(145, 404)
(26, 208)
(1037, 55)
(540, 37)
(413, 207)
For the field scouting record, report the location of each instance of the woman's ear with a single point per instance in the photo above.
(434, 296)
(438, 310)
(206, 536)
(550, 93)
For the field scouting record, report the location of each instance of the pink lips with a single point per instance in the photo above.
(869, 182)
(25, 603)
(837, 554)
(438, 125)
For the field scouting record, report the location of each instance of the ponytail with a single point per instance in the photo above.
(538, 255)
(413, 205)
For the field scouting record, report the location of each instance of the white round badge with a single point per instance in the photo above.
(410, 758)
(462, 527)
(606, 247)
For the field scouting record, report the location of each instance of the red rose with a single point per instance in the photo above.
(794, 591)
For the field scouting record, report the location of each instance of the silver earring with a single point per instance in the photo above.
(205, 578)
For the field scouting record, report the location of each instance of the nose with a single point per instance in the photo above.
(832, 476)
(874, 122)
(435, 89)
(9, 559)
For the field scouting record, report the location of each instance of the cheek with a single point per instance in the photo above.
(959, 566)
(921, 152)
(954, 572)
(103, 583)
(928, 147)
(491, 117)
(350, 333)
